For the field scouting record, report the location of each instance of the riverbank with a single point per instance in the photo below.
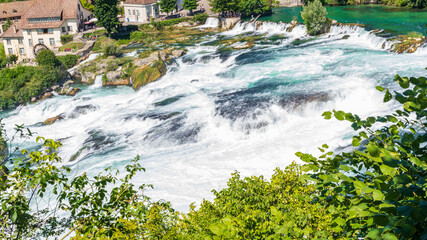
(393, 20)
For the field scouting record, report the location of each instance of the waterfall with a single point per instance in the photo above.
(211, 22)
(98, 81)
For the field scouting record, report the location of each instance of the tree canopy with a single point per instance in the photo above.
(314, 16)
(190, 5)
(167, 6)
(106, 11)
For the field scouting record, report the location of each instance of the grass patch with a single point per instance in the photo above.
(74, 46)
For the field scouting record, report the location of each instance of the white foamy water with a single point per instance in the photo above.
(211, 22)
(216, 111)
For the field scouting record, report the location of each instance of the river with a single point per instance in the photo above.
(217, 111)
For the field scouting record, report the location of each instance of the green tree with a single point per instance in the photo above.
(417, 3)
(12, 58)
(256, 7)
(167, 6)
(190, 5)
(314, 15)
(221, 6)
(7, 24)
(106, 11)
(47, 58)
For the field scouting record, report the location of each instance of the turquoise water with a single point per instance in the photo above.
(394, 20)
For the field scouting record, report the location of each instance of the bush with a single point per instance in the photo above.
(314, 15)
(66, 39)
(201, 18)
(111, 49)
(47, 58)
(68, 61)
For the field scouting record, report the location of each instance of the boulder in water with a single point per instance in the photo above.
(146, 74)
(52, 120)
(178, 53)
(46, 95)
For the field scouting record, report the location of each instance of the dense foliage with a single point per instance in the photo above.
(167, 6)
(190, 5)
(246, 7)
(7, 24)
(111, 49)
(47, 58)
(314, 16)
(18, 85)
(66, 39)
(87, 5)
(106, 11)
(399, 3)
(69, 60)
(376, 191)
(201, 18)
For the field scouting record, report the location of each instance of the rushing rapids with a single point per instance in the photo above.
(217, 111)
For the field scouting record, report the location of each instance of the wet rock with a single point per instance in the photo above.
(297, 99)
(167, 101)
(346, 37)
(73, 92)
(178, 53)
(244, 46)
(81, 110)
(33, 99)
(334, 22)
(88, 77)
(46, 95)
(52, 120)
(146, 74)
(55, 87)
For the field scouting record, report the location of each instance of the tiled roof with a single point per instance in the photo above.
(14, 9)
(143, 2)
(50, 8)
(13, 31)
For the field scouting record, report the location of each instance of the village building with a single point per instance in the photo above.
(12, 11)
(44, 22)
(141, 11)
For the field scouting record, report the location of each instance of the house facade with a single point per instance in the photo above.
(44, 22)
(141, 11)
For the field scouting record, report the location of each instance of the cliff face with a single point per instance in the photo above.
(290, 3)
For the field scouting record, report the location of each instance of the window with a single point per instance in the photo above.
(4, 12)
(137, 12)
(129, 12)
(30, 42)
(39, 31)
(64, 29)
(52, 41)
(41, 41)
(10, 50)
(14, 10)
(28, 31)
(8, 42)
(134, 12)
(22, 51)
(50, 30)
(20, 41)
(70, 28)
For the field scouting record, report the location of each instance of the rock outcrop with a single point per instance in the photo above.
(52, 120)
(149, 73)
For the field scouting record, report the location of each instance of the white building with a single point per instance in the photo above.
(44, 22)
(141, 11)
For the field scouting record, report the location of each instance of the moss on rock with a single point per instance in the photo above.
(146, 74)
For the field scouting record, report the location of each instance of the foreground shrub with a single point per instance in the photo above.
(201, 18)
(111, 49)
(47, 58)
(66, 39)
(314, 16)
(68, 61)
